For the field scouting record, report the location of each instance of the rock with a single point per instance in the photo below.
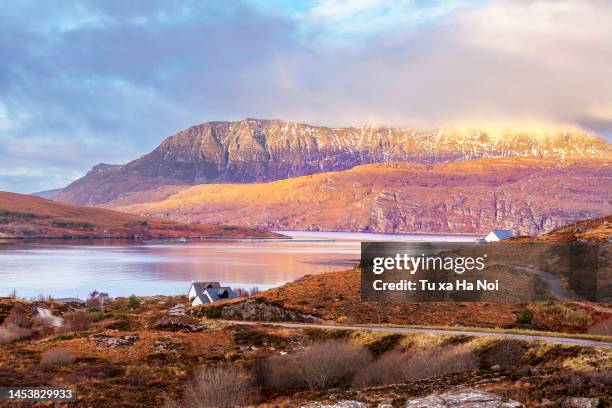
(105, 341)
(258, 310)
(178, 325)
(580, 402)
(463, 399)
(177, 310)
(339, 404)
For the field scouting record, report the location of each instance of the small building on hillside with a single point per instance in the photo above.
(498, 235)
(201, 293)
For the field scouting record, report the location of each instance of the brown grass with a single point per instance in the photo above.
(79, 320)
(10, 333)
(224, 386)
(602, 328)
(322, 366)
(47, 218)
(57, 356)
(396, 366)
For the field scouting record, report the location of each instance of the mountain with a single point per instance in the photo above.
(253, 150)
(527, 195)
(27, 216)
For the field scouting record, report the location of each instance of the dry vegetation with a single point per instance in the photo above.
(35, 217)
(335, 297)
(120, 356)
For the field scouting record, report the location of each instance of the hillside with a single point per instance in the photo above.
(35, 217)
(527, 195)
(255, 150)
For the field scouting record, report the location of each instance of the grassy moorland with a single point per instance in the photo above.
(157, 351)
(25, 216)
(137, 353)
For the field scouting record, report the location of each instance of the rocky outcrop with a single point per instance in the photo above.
(254, 309)
(178, 324)
(339, 404)
(463, 399)
(106, 341)
(255, 150)
(258, 310)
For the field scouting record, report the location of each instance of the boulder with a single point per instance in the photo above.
(580, 402)
(105, 341)
(463, 399)
(339, 404)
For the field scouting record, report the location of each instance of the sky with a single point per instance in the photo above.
(89, 81)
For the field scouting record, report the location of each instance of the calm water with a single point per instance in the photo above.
(69, 269)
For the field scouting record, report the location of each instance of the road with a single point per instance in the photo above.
(552, 339)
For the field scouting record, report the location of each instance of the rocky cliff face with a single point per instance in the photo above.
(263, 150)
(527, 195)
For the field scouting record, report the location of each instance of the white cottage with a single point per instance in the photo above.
(207, 292)
(498, 235)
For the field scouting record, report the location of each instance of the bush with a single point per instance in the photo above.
(602, 328)
(138, 375)
(505, 353)
(321, 366)
(242, 292)
(524, 317)
(58, 356)
(17, 316)
(97, 299)
(394, 366)
(13, 328)
(220, 387)
(79, 320)
(10, 333)
(133, 302)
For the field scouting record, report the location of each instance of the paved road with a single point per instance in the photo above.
(578, 342)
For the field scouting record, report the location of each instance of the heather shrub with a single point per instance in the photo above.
(79, 320)
(58, 356)
(504, 353)
(17, 316)
(138, 375)
(322, 366)
(10, 333)
(13, 328)
(220, 387)
(133, 302)
(395, 366)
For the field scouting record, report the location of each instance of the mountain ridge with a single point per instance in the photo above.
(259, 150)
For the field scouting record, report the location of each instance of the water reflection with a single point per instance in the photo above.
(66, 269)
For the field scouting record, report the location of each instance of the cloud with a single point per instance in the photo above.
(86, 81)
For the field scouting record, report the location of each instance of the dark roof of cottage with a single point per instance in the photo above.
(200, 286)
(209, 292)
